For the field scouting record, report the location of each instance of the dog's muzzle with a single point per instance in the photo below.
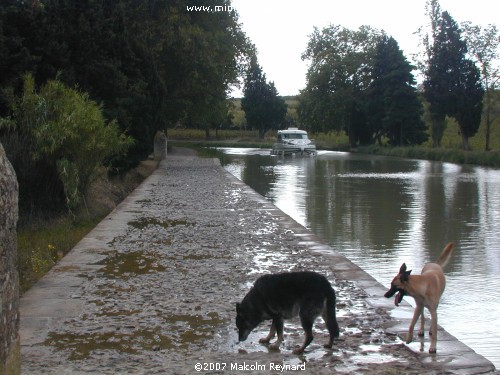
(393, 291)
(243, 334)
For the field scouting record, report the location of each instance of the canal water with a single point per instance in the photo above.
(382, 211)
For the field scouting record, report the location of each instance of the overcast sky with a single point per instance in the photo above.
(280, 28)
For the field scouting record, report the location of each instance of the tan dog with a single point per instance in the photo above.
(426, 289)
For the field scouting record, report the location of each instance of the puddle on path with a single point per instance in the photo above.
(232, 197)
(191, 329)
(80, 346)
(264, 261)
(183, 330)
(349, 353)
(207, 256)
(363, 345)
(147, 221)
(125, 265)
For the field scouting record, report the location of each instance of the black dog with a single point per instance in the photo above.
(284, 296)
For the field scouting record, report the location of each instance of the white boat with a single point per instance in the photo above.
(293, 141)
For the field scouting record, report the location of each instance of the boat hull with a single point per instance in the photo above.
(281, 149)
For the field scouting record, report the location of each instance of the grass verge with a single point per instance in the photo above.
(41, 244)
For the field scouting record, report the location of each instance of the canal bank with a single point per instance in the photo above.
(152, 289)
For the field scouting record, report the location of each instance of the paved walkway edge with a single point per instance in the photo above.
(453, 355)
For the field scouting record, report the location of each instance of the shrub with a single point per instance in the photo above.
(63, 130)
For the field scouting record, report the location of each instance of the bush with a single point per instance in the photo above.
(63, 130)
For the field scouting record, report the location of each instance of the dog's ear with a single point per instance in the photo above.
(402, 270)
(405, 275)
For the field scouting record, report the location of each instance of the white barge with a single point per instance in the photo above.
(293, 141)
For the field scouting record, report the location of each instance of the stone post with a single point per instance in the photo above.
(9, 280)
(160, 145)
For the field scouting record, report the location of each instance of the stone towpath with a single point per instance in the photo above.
(152, 290)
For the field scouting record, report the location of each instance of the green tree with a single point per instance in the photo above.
(264, 108)
(449, 86)
(394, 109)
(484, 46)
(445, 57)
(150, 63)
(16, 57)
(340, 72)
(63, 130)
(428, 36)
(469, 102)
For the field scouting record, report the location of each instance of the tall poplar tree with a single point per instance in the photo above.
(264, 108)
(394, 109)
(484, 46)
(452, 85)
(428, 41)
(446, 53)
(469, 102)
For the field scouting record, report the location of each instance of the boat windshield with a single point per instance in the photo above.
(294, 136)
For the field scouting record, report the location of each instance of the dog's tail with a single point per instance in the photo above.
(330, 316)
(445, 255)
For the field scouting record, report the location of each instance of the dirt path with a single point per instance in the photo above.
(152, 290)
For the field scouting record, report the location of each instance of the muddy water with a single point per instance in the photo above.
(381, 211)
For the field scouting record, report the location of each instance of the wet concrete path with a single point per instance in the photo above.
(152, 290)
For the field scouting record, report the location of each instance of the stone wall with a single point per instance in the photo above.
(9, 280)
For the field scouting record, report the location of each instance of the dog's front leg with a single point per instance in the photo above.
(433, 331)
(278, 326)
(418, 310)
(272, 332)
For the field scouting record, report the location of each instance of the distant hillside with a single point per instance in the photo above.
(239, 120)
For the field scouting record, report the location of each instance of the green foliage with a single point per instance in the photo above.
(42, 244)
(238, 120)
(452, 85)
(394, 109)
(338, 141)
(151, 64)
(340, 72)
(68, 173)
(447, 52)
(484, 46)
(360, 82)
(236, 114)
(264, 109)
(65, 130)
(490, 159)
(199, 134)
(470, 102)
